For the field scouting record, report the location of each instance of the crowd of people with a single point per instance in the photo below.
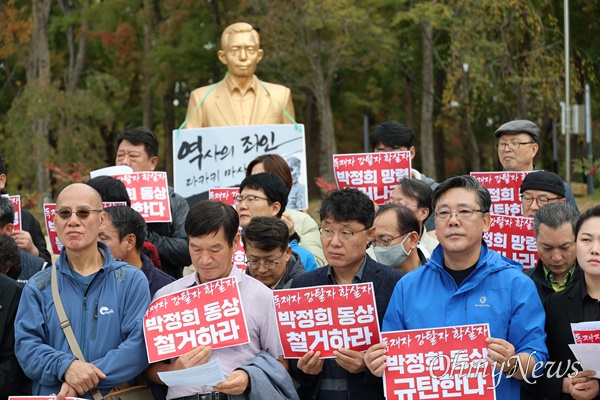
(74, 329)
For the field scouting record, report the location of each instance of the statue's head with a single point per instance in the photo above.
(240, 49)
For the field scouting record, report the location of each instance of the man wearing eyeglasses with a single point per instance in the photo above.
(540, 188)
(346, 228)
(517, 146)
(266, 195)
(269, 256)
(104, 300)
(466, 283)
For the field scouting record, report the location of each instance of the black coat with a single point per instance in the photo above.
(363, 385)
(562, 309)
(10, 371)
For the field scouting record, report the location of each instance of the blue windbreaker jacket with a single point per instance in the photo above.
(106, 320)
(496, 292)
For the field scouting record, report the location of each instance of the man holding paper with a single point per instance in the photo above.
(465, 283)
(346, 228)
(212, 229)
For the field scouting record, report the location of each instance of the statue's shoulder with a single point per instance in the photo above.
(276, 89)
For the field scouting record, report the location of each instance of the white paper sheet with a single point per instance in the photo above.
(209, 374)
(588, 356)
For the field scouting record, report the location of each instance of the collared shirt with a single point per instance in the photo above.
(591, 306)
(357, 277)
(556, 285)
(260, 319)
(243, 102)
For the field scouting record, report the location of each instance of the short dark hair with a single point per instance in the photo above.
(266, 233)
(467, 182)
(555, 215)
(128, 221)
(407, 220)
(271, 185)
(348, 204)
(590, 213)
(141, 135)
(7, 212)
(418, 190)
(110, 189)
(392, 134)
(10, 258)
(209, 216)
(274, 164)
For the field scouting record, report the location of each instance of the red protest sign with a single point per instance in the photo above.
(239, 256)
(586, 336)
(149, 194)
(514, 238)
(226, 195)
(438, 363)
(376, 174)
(16, 202)
(504, 189)
(210, 314)
(326, 318)
(49, 210)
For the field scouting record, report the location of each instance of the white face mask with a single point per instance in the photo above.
(392, 255)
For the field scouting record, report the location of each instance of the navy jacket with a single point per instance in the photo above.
(363, 385)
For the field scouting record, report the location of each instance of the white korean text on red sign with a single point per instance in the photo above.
(326, 318)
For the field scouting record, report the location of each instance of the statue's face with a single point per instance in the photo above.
(241, 55)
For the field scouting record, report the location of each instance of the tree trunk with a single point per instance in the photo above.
(311, 144)
(427, 154)
(473, 147)
(38, 74)
(327, 139)
(77, 52)
(169, 123)
(150, 22)
(409, 106)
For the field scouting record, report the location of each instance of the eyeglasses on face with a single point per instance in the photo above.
(541, 200)
(249, 199)
(269, 264)
(82, 213)
(385, 242)
(342, 235)
(511, 145)
(463, 214)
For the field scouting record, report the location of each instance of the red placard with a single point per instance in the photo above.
(226, 195)
(586, 336)
(438, 363)
(50, 209)
(239, 256)
(376, 174)
(149, 194)
(16, 202)
(504, 189)
(514, 238)
(210, 314)
(326, 318)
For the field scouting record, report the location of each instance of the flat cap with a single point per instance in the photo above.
(544, 180)
(519, 126)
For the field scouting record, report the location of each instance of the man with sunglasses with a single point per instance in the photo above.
(466, 283)
(517, 146)
(346, 228)
(269, 256)
(104, 300)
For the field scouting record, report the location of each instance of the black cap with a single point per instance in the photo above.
(544, 180)
(519, 126)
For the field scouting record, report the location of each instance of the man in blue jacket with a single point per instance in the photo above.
(104, 299)
(463, 274)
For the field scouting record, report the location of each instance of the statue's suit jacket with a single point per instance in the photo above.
(217, 109)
